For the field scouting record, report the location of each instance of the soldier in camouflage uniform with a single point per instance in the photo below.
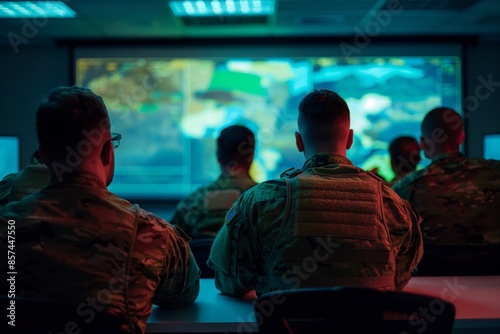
(77, 242)
(201, 214)
(458, 198)
(329, 223)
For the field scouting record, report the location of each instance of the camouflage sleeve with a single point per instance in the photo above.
(232, 257)
(406, 236)
(180, 282)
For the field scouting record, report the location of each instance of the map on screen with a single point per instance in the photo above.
(170, 110)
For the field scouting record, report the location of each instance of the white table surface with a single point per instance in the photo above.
(476, 299)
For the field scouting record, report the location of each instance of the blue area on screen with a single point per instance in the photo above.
(170, 111)
(491, 146)
(9, 155)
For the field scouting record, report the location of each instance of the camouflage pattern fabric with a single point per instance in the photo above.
(252, 251)
(77, 242)
(193, 213)
(458, 199)
(30, 179)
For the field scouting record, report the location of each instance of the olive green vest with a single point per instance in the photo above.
(334, 233)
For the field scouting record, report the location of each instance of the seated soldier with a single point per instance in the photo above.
(457, 197)
(76, 242)
(201, 214)
(329, 223)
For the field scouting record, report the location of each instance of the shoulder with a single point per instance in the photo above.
(398, 210)
(486, 163)
(10, 177)
(260, 195)
(148, 221)
(265, 191)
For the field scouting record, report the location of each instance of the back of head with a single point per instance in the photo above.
(324, 119)
(405, 154)
(442, 130)
(73, 120)
(235, 147)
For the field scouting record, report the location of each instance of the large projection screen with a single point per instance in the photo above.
(170, 103)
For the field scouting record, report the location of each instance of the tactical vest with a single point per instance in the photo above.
(334, 233)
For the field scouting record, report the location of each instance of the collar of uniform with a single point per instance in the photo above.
(79, 178)
(447, 156)
(326, 159)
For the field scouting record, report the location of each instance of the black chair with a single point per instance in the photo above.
(46, 316)
(201, 251)
(352, 310)
(459, 260)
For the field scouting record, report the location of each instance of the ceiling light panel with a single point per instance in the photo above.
(222, 7)
(34, 9)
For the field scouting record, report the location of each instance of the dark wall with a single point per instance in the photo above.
(25, 77)
(482, 94)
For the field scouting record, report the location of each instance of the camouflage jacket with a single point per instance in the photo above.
(244, 254)
(78, 243)
(458, 199)
(201, 213)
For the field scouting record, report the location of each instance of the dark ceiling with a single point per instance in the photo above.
(153, 19)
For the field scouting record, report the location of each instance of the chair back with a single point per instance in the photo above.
(46, 316)
(30, 179)
(352, 310)
(201, 251)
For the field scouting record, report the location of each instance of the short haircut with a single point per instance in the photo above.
(236, 144)
(405, 149)
(67, 117)
(445, 123)
(323, 116)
